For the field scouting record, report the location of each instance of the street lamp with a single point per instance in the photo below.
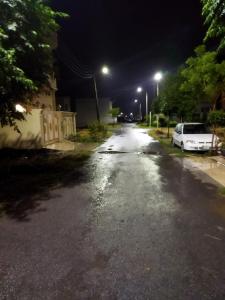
(158, 77)
(105, 71)
(140, 90)
(140, 110)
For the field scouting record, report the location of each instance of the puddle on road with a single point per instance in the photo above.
(112, 152)
(125, 152)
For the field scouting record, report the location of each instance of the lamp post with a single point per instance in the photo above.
(140, 90)
(158, 77)
(140, 110)
(105, 71)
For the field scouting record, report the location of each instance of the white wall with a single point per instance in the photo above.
(30, 136)
(86, 111)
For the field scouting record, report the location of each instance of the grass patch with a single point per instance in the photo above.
(143, 125)
(26, 177)
(95, 133)
(161, 136)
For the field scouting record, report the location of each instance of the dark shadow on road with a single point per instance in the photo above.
(188, 189)
(28, 176)
(197, 237)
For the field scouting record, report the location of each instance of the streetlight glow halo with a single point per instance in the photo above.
(105, 70)
(158, 76)
(139, 89)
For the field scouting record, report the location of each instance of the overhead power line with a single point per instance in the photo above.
(70, 61)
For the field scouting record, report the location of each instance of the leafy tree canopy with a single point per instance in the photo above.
(214, 14)
(204, 77)
(172, 100)
(27, 29)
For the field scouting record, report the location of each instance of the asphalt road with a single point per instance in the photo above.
(136, 224)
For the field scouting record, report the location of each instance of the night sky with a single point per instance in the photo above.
(134, 38)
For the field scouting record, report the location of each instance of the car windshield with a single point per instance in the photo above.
(195, 129)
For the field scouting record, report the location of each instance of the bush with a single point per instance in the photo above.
(162, 121)
(173, 124)
(97, 128)
(98, 131)
(217, 118)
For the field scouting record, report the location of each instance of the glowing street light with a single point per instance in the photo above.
(139, 89)
(140, 110)
(105, 71)
(158, 77)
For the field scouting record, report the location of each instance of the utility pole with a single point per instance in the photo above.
(147, 107)
(105, 71)
(140, 111)
(97, 99)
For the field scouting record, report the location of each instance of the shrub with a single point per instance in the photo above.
(97, 128)
(98, 131)
(173, 124)
(217, 118)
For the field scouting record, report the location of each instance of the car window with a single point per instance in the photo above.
(195, 129)
(179, 128)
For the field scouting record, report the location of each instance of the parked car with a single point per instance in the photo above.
(194, 137)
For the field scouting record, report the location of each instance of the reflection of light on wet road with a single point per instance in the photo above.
(130, 140)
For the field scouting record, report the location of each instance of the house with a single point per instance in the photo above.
(44, 125)
(87, 114)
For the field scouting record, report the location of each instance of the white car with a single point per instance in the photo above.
(194, 137)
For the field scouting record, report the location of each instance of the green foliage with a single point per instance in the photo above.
(204, 77)
(163, 120)
(214, 14)
(217, 118)
(115, 112)
(98, 131)
(173, 100)
(173, 124)
(27, 29)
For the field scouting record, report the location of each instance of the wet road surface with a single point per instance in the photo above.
(137, 224)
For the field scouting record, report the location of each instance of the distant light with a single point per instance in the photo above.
(131, 114)
(20, 108)
(105, 70)
(139, 89)
(158, 76)
(135, 101)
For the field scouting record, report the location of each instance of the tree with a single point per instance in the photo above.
(204, 77)
(27, 28)
(174, 101)
(214, 14)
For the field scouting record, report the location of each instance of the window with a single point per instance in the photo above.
(196, 129)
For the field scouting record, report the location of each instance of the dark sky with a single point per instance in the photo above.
(135, 38)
